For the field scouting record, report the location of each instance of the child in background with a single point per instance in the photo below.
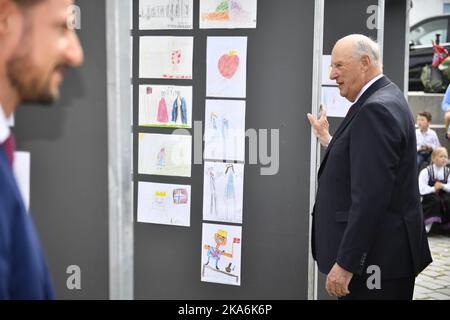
(434, 186)
(427, 139)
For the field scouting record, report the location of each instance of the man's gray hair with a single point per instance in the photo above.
(363, 45)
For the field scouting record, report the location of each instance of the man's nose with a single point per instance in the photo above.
(333, 74)
(74, 52)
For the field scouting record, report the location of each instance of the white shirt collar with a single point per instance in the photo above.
(425, 132)
(4, 126)
(368, 84)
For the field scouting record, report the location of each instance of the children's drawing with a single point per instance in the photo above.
(228, 14)
(164, 203)
(165, 106)
(228, 64)
(223, 192)
(226, 72)
(225, 130)
(165, 14)
(165, 154)
(221, 254)
(164, 57)
(335, 105)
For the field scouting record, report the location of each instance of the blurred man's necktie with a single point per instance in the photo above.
(10, 146)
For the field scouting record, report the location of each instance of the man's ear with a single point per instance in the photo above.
(366, 62)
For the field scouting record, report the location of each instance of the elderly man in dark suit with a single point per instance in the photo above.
(36, 45)
(367, 216)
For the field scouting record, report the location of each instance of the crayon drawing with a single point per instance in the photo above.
(225, 130)
(165, 106)
(164, 154)
(226, 68)
(335, 105)
(164, 203)
(223, 191)
(228, 14)
(162, 57)
(221, 254)
(165, 14)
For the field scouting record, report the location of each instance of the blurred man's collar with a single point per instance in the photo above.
(4, 126)
(368, 84)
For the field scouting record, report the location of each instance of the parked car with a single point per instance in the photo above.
(420, 47)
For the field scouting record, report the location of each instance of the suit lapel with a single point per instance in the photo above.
(383, 81)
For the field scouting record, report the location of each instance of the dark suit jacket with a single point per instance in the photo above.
(23, 271)
(367, 209)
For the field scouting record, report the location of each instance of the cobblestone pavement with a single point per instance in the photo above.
(434, 282)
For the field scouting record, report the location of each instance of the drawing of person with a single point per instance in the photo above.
(229, 191)
(161, 159)
(224, 130)
(162, 110)
(212, 187)
(214, 252)
(215, 132)
(179, 110)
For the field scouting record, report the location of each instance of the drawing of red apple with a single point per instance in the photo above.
(228, 64)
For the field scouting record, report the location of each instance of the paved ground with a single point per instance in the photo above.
(434, 282)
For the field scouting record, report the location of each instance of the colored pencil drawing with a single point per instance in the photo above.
(226, 67)
(164, 203)
(335, 105)
(225, 130)
(163, 57)
(164, 154)
(228, 14)
(165, 14)
(223, 192)
(221, 254)
(165, 106)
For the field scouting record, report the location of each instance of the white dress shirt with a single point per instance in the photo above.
(4, 126)
(424, 188)
(428, 138)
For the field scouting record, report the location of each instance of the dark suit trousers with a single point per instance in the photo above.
(391, 289)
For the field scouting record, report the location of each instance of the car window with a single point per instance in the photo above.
(426, 32)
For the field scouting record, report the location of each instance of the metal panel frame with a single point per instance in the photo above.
(315, 146)
(121, 253)
(380, 28)
(407, 26)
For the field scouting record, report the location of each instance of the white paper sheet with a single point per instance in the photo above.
(165, 106)
(326, 64)
(334, 104)
(226, 68)
(164, 203)
(223, 191)
(221, 254)
(165, 14)
(165, 154)
(225, 130)
(228, 14)
(163, 57)
(22, 173)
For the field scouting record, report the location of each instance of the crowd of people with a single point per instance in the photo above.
(433, 165)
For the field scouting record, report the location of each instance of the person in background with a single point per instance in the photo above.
(446, 108)
(434, 186)
(36, 47)
(427, 139)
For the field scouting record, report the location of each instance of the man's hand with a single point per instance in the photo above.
(438, 185)
(337, 281)
(320, 127)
